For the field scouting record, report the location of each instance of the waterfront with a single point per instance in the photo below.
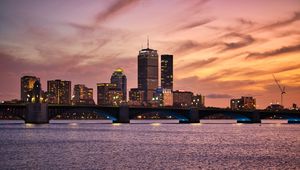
(152, 145)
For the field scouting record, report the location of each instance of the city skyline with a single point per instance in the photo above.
(216, 52)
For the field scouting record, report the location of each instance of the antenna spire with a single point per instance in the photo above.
(148, 42)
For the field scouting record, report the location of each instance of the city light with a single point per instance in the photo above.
(155, 124)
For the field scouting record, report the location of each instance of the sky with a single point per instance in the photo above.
(222, 49)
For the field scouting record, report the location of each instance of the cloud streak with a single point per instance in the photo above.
(194, 24)
(218, 96)
(294, 18)
(268, 54)
(245, 41)
(115, 9)
(198, 64)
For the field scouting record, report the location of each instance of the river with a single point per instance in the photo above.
(148, 145)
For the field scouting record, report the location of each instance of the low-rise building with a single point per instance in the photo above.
(182, 98)
(243, 103)
(198, 101)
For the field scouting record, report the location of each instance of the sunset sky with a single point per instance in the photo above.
(222, 48)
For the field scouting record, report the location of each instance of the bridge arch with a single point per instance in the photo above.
(104, 113)
(226, 115)
(181, 116)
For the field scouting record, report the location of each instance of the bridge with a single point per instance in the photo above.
(42, 113)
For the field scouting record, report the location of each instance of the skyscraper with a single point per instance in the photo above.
(27, 84)
(82, 95)
(119, 78)
(61, 90)
(167, 71)
(148, 72)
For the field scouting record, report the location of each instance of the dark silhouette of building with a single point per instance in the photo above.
(136, 96)
(36, 92)
(119, 78)
(244, 103)
(109, 94)
(294, 106)
(49, 97)
(61, 90)
(275, 107)
(182, 98)
(82, 95)
(27, 84)
(148, 72)
(167, 71)
(198, 101)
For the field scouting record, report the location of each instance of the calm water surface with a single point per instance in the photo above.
(90, 145)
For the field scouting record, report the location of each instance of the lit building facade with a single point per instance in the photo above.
(182, 98)
(82, 95)
(157, 99)
(167, 97)
(167, 71)
(119, 78)
(162, 97)
(109, 94)
(136, 96)
(198, 101)
(148, 72)
(27, 84)
(61, 90)
(244, 103)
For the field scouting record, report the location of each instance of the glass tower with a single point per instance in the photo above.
(148, 72)
(119, 78)
(167, 71)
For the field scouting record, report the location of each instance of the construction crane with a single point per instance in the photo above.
(282, 90)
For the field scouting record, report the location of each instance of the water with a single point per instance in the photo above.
(90, 145)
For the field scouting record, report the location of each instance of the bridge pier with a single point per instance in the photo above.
(123, 115)
(36, 113)
(193, 116)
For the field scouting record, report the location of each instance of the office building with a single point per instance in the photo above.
(27, 84)
(157, 99)
(49, 97)
(243, 103)
(119, 78)
(167, 71)
(136, 96)
(148, 72)
(61, 90)
(109, 94)
(198, 101)
(82, 95)
(162, 97)
(182, 98)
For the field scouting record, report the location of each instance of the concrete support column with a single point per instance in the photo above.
(255, 118)
(123, 116)
(194, 116)
(36, 113)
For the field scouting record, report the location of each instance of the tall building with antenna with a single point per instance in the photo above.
(148, 71)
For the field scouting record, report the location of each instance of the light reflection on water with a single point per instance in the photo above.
(155, 144)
